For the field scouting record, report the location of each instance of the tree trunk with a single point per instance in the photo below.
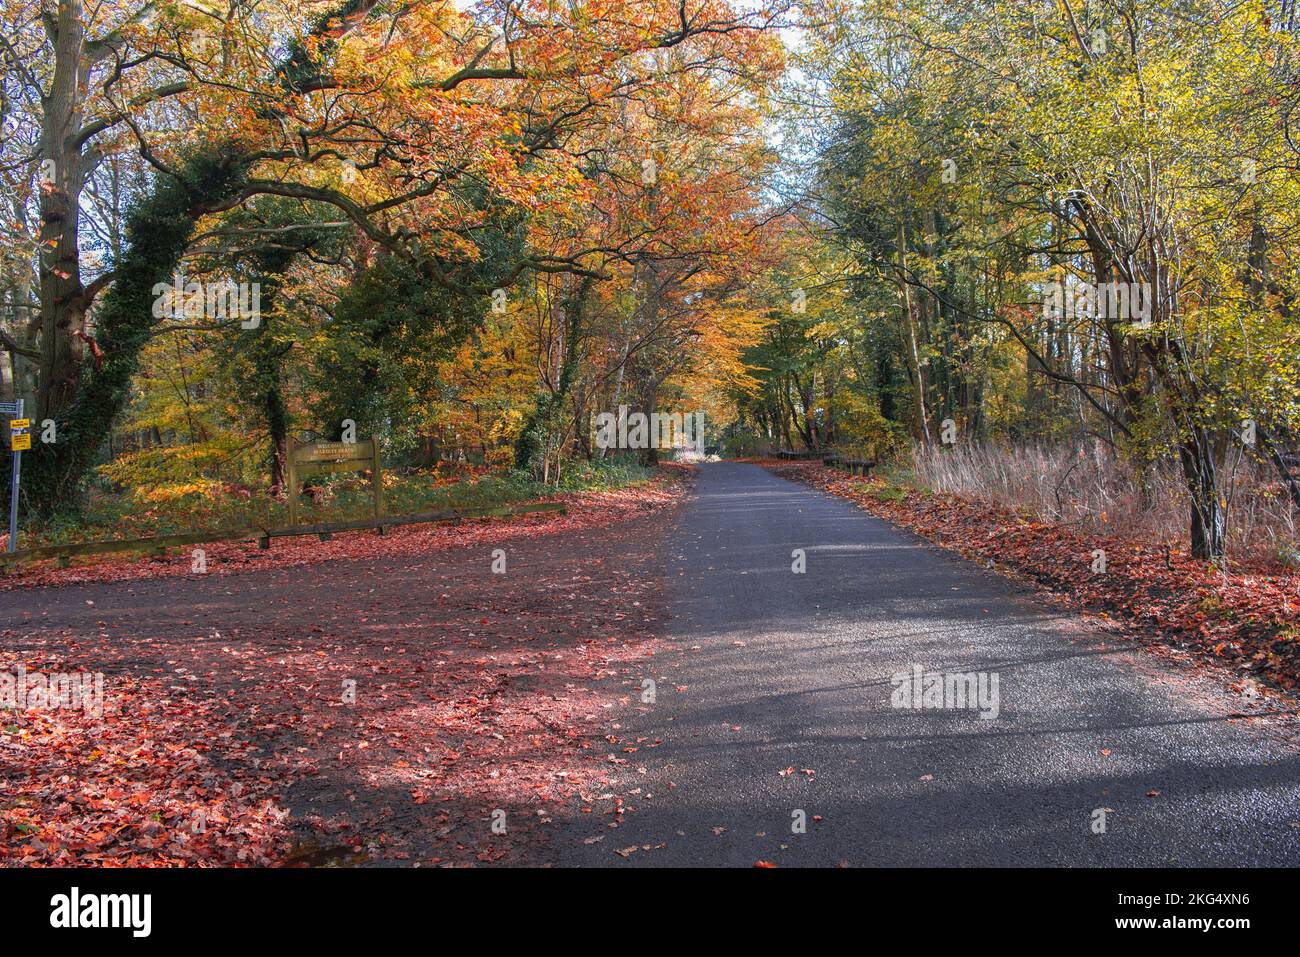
(543, 424)
(62, 308)
(277, 422)
(920, 418)
(649, 456)
(1201, 475)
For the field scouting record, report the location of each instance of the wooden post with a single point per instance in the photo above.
(292, 467)
(377, 481)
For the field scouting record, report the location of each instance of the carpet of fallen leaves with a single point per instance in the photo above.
(1248, 622)
(225, 558)
(227, 737)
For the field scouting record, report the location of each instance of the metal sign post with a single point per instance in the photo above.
(19, 438)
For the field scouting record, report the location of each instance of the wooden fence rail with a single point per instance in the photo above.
(159, 544)
(786, 454)
(834, 459)
(853, 466)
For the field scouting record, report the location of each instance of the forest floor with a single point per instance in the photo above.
(1247, 621)
(363, 700)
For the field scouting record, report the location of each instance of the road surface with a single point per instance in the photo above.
(773, 670)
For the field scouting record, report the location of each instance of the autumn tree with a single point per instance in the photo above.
(978, 156)
(392, 116)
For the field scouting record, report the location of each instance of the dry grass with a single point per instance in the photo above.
(1089, 487)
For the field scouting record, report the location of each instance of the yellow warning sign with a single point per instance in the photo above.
(20, 438)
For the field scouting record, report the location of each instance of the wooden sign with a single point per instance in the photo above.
(318, 458)
(335, 452)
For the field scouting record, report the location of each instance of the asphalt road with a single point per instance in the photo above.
(771, 670)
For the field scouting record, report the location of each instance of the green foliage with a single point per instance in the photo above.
(603, 474)
(862, 430)
(887, 493)
(382, 345)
